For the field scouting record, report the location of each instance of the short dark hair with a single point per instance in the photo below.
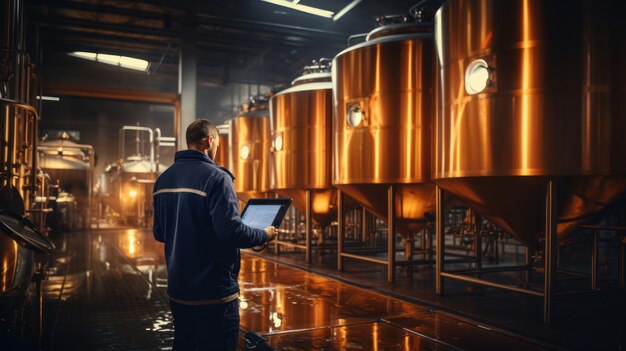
(198, 130)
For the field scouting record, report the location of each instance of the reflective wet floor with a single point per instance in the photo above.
(107, 291)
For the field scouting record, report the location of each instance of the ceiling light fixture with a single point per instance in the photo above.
(48, 98)
(304, 8)
(345, 10)
(115, 60)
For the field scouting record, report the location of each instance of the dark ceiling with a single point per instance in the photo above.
(247, 41)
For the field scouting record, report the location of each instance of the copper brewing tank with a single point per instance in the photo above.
(552, 108)
(386, 83)
(223, 149)
(301, 142)
(250, 149)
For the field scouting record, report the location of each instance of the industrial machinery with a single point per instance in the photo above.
(382, 128)
(301, 126)
(21, 184)
(70, 167)
(301, 122)
(250, 143)
(126, 185)
(531, 116)
(223, 150)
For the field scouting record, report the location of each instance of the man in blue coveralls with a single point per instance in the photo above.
(197, 216)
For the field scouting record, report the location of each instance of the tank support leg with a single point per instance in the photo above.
(440, 240)
(478, 227)
(391, 234)
(308, 224)
(594, 261)
(340, 228)
(622, 258)
(528, 260)
(364, 225)
(549, 252)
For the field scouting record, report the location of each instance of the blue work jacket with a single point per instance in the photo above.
(196, 215)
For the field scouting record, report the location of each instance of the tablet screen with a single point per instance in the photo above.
(260, 216)
(262, 213)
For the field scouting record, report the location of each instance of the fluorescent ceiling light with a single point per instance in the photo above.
(109, 59)
(345, 10)
(133, 63)
(48, 98)
(304, 8)
(115, 60)
(84, 55)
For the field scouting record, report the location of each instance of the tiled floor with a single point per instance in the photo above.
(107, 292)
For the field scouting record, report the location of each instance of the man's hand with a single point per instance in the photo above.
(271, 233)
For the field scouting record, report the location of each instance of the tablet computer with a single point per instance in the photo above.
(262, 213)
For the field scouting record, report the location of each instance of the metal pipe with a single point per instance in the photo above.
(478, 222)
(573, 273)
(491, 284)
(423, 242)
(391, 234)
(622, 259)
(488, 270)
(549, 250)
(366, 258)
(594, 261)
(288, 244)
(604, 227)
(308, 224)
(3, 137)
(439, 229)
(364, 225)
(340, 229)
(528, 261)
(10, 142)
(157, 147)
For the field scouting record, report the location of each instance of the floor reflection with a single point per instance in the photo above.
(107, 290)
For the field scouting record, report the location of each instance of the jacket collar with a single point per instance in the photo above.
(185, 155)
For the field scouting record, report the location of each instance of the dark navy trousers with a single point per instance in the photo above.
(206, 327)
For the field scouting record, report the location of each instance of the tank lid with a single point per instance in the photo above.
(24, 232)
(312, 78)
(257, 105)
(223, 128)
(419, 20)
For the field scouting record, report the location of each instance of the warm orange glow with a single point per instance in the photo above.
(132, 239)
(321, 203)
(375, 337)
(487, 40)
(410, 156)
(373, 115)
(526, 80)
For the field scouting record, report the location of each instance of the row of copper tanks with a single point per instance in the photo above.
(489, 102)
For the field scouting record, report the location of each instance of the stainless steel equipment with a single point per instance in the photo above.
(301, 127)
(531, 119)
(551, 108)
(70, 166)
(126, 185)
(224, 148)
(250, 149)
(20, 181)
(382, 91)
(383, 113)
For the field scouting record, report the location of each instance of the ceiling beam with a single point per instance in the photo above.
(92, 91)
